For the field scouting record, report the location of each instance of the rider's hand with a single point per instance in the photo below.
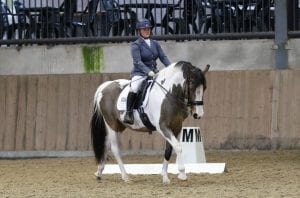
(151, 73)
(156, 70)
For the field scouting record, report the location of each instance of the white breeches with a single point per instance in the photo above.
(136, 83)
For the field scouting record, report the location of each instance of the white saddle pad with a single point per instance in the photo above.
(122, 100)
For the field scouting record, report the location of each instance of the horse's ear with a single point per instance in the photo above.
(206, 69)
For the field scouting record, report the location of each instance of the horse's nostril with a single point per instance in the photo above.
(195, 115)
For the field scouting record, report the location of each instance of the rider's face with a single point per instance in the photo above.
(145, 32)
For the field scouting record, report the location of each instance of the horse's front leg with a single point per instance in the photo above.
(178, 150)
(173, 142)
(164, 172)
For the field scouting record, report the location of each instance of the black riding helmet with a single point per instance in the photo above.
(143, 23)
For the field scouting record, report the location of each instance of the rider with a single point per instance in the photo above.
(144, 52)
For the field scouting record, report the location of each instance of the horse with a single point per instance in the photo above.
(175, 92)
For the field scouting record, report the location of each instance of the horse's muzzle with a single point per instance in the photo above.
(195, 115)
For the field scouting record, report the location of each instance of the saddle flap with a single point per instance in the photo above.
(122, 99)
(142, 97)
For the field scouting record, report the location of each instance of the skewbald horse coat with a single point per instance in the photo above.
(177, 91)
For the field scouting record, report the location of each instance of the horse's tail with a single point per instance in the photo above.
(98, 134)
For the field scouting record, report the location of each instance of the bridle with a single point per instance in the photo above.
(190, 102)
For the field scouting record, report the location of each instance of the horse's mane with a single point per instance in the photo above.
(189, 71)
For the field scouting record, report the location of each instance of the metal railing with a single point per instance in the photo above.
(91, 21)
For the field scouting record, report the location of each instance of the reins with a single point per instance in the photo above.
(168, 92)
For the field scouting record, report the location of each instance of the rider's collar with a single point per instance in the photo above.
(148, 41)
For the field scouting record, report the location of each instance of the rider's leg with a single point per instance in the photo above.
(129, 111)
(135, 84)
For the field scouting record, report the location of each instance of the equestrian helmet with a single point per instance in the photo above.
(144, 23)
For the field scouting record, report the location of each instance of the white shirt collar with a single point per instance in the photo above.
(148, 42)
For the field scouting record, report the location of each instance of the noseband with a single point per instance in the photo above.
(194, 103)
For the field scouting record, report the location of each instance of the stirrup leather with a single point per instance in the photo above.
(128, 118)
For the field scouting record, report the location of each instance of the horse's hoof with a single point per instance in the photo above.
(97, 175)
(126, 179)
(166, 181)
(182, 176)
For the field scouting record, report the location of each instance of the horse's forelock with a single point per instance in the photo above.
(192, 72)
(199, 77)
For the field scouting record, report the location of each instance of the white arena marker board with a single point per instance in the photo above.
(153, 169)
(192, 145)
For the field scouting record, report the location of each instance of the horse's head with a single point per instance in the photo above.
(194, 87)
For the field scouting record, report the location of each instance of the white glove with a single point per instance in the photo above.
(151, 73)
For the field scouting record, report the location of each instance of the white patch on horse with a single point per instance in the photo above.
(169, 76)
(199, 97)
(98, 94)
(122, 82)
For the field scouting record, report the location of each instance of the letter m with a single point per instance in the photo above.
(187, 135)
(198, 135)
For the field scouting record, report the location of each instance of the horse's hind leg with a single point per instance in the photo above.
(101, 165)
(112, 135)
(100, 169)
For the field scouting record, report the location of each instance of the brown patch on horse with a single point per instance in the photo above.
(108, 106)
(173, 105)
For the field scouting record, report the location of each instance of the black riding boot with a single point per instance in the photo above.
(128, 119)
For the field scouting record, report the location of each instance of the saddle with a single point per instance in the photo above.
(140, 102)
(141, 95)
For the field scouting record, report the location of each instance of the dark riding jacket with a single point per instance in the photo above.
(144, 57)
